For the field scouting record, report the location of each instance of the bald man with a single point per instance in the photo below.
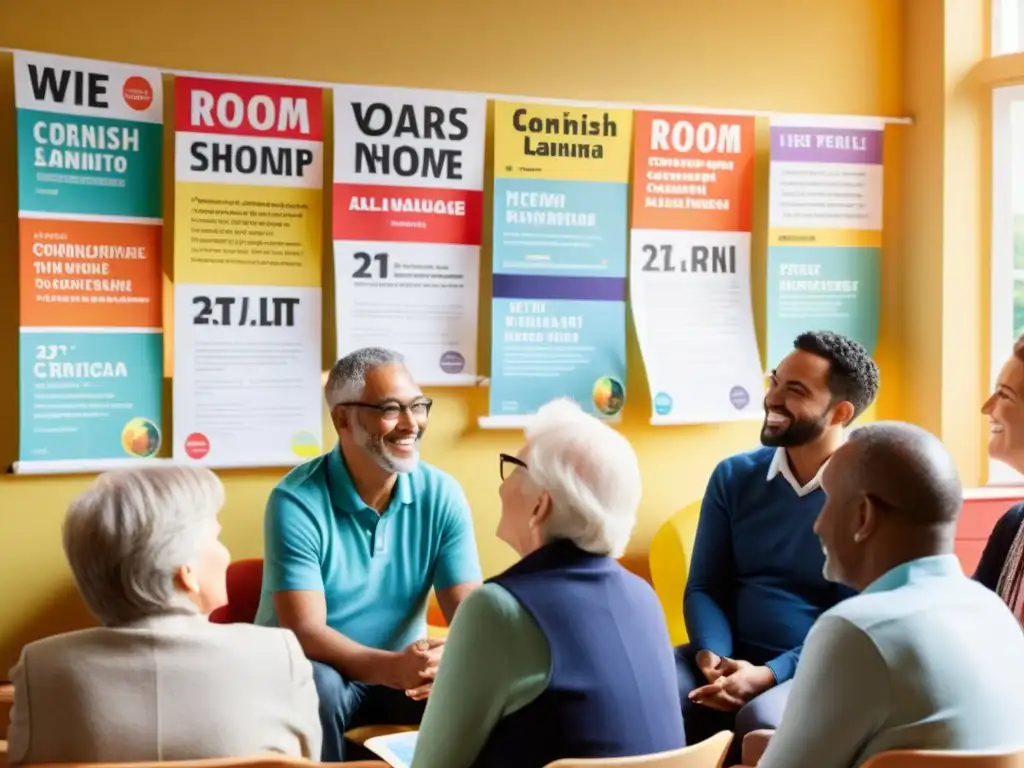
(923, 657)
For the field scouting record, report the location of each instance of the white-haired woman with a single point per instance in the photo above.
(565, 654)
(157, 681)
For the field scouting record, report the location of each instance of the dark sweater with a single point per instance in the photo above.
(756, 585)
(998, 546)
(612, 690)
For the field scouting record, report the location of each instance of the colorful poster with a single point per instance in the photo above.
(693, 191)
(90, 148)
(561, 180)
(248, 254)
(825, 230)
(408, 213)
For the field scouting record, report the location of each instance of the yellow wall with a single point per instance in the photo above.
(839, 56)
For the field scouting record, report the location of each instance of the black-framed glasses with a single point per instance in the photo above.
(419, 409)
(504, 459)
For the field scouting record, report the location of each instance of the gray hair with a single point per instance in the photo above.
(347, 378)
(128, 534)
(591, 473)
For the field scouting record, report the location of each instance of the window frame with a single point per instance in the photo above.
(1007, 35)
(1001, 256)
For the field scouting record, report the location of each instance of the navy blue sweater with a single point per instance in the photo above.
(756, 584)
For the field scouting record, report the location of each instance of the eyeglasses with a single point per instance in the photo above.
(504, 458)
(392, 411)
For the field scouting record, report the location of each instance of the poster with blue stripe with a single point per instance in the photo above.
(561, 187)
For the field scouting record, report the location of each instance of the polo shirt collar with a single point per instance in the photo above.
(343, 491)
(780, 465)
(941, 566)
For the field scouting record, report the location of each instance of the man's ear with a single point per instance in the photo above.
(866, 520)
(842, 413)
(339, 417)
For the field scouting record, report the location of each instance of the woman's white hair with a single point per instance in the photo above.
(129, 533)
(590, 472)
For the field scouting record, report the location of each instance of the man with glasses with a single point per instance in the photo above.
(355, 539)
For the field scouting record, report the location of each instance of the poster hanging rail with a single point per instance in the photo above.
(531, 99)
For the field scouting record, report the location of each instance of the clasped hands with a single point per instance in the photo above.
(731, 682)
(413, 669)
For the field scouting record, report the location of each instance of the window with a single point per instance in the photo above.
(1007, 27)
(1007, 297)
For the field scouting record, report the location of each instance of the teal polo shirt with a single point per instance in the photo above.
(375, 571)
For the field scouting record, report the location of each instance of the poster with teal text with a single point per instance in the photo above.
(90, 154)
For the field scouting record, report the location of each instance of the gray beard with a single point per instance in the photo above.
(377, 450)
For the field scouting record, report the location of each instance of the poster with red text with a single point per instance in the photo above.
(408, 214)
(248, 272)
(693, 191)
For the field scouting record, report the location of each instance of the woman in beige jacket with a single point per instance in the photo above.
(158, 681)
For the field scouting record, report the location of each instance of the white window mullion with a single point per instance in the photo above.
(1007, 211)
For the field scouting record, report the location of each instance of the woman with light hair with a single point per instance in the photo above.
(565, 654)
(157, 681)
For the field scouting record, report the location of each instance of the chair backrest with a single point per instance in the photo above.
(671, 550)
(245, 582)
(709, 753)
(261, 761)
(925, 759)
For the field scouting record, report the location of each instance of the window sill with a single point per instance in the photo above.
(995, 493)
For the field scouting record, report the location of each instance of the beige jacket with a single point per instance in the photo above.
(173, 687)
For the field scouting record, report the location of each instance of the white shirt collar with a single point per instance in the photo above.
(780, 464)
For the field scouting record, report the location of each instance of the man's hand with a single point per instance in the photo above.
(416, 666)
(708, 663)
(419, 694)
(739, 682)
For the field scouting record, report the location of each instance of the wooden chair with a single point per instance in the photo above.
(926, 759)
(268, 761)
(6, 702)
(710, 753)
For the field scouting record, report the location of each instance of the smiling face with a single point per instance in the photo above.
(798, 406)
(1005, 411)
(379, 426)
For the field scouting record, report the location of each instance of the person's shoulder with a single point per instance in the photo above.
(1014, 516)
(492, 609)
(308, 477)
(304, 487)
(863, 610)
(642, 592)
(747, 464)
(58, 646)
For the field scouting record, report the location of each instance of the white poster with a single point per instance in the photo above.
(408, 213)
(690, 267)
(248, 264)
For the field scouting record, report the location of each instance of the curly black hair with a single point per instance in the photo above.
(852, 374)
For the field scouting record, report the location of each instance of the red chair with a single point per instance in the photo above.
(245, 583)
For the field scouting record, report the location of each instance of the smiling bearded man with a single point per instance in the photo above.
(354, 541)
(756, 581)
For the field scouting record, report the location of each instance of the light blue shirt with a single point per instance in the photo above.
(375, 570)
(924, 658)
